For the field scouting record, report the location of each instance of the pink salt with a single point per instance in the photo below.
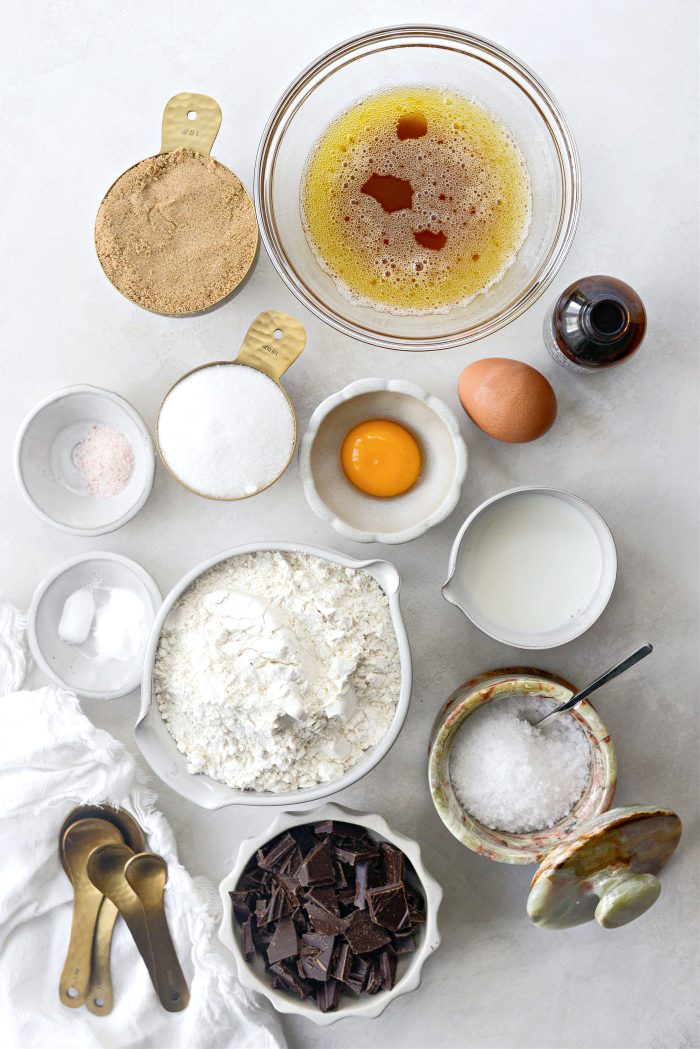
(105, 461)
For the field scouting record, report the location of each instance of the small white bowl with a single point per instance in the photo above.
(365, 518)
(589, 547)
(252, 975)
(159, 748)
(44, 468)
(70, 666)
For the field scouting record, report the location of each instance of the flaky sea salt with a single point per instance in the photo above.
(226, 432)
(511, 775)
(104, 460)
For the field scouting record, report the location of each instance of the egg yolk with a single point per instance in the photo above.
(381, 458)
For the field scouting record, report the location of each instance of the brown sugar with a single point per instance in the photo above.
(177, 232)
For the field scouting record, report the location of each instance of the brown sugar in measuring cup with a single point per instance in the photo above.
(177, 232)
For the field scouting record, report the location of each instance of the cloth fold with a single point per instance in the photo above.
(51, 759)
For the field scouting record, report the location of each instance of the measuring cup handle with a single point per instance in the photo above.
(273, 343)
(190, 121)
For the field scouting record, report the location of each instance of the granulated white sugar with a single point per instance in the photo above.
(513, 776)
(226, 431)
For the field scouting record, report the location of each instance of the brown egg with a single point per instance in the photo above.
(507, 399)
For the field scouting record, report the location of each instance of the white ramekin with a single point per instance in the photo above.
(45, 434)
(364, 518)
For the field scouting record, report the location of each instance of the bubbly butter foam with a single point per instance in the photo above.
(416, 200)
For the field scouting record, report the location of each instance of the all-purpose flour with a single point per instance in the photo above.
(276, 670)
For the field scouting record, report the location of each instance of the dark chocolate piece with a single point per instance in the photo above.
(242, 903)
(284, 943)
(287, 977)
(404, 944)
(393, 863)
(325, 895)
(374, 979)
(327, 996)
(388, 907)
(317, 866)
(248, 938)
(342, 963)
(275, 856)
(316, 955)
(387, 969)
(323, 920)
(351, 854)
(364, 935)
(323, 828)
(358, 975)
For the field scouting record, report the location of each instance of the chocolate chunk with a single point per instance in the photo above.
(323, 920)
(243, 903)
(361, 870)
(364, 935)
(327, 996)
(351, 854)
(387, 969)
(358, 975)
(393, 863)
(288, 978)
(316, 955)
(284, 943)
(278, 907)
(341, 881)
(276, 854)
(248, 938)
(388, 907)
(404, 944)
(323, 828)
(416, 906)
(317, 866)
(374, 979)
(342, 962)
(325, 895)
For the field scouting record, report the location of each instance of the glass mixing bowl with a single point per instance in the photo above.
(442, 57)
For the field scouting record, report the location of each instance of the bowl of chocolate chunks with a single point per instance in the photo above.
(330, 913)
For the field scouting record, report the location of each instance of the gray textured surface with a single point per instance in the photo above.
(84, 85)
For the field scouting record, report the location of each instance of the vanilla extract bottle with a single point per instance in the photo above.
(597, 322)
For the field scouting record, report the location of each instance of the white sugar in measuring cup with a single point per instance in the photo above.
(272, 344)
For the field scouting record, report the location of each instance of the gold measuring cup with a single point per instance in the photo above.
(190, 121)
(272, 344)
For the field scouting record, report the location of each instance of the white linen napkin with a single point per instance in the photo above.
(51, 759)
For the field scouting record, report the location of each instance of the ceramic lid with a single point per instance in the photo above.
(607, 872)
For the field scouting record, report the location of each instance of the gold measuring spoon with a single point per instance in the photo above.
(99, 999)
(78, 842)
(106, 872)
(272, 344)
(147, 874)
(190, 121)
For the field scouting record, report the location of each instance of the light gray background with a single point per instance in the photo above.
(84, 87)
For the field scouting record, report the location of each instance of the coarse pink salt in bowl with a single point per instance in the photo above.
(84, 460)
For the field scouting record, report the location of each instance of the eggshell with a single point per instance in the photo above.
(507, 399)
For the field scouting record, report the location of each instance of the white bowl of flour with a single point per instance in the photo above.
(274, 674)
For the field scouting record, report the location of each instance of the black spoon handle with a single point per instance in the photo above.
(613, 672)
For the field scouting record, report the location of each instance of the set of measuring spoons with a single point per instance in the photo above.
(103, 852)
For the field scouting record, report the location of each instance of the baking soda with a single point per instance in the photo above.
(226, 431)
(513, 776)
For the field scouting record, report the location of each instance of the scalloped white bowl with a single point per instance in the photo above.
(159, 748)
(409, 968)
(365, 518)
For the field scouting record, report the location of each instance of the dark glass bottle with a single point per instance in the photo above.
(596, 322)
